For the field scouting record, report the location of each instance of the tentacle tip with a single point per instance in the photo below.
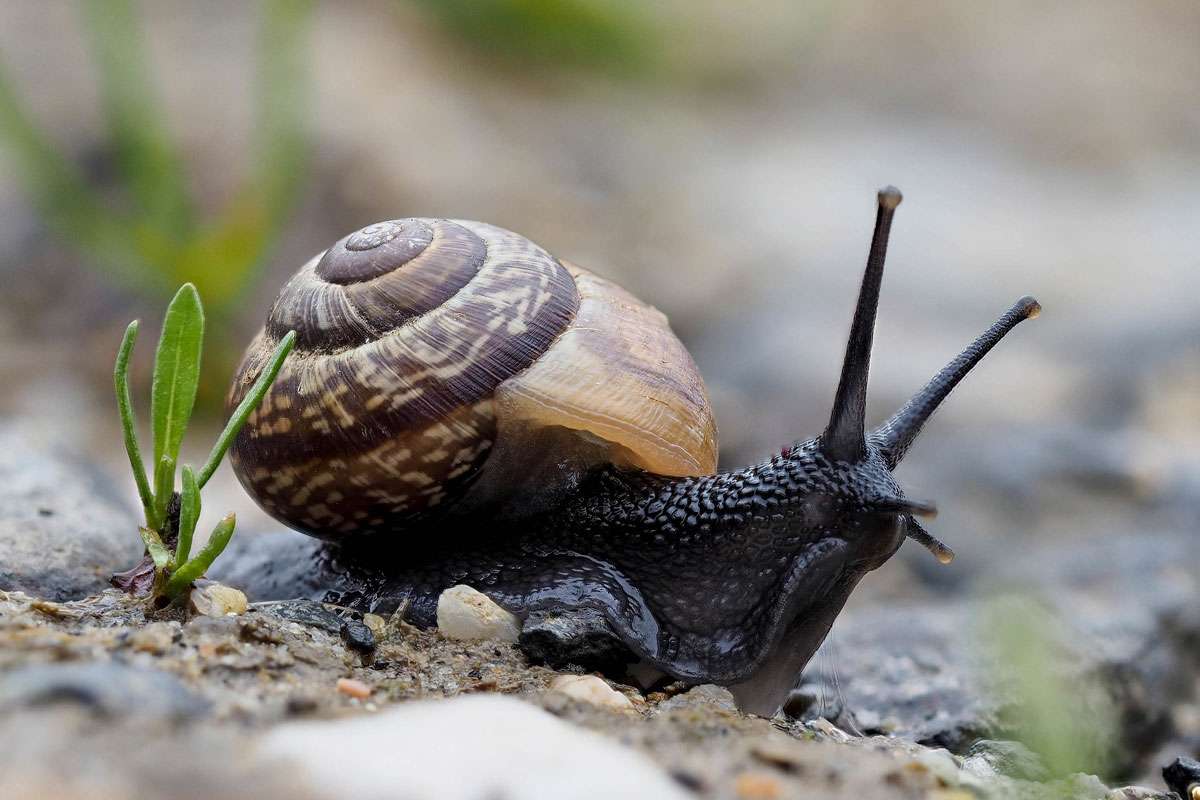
(902, 505)
(890, 197)
(930, 542)
(922, 508)
(1030, 307)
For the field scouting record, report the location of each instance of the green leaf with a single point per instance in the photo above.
(176, 374)
(189, 513)
(128, 423)
(182, 578)
(164, 487)
(250, 402)
(154, 546)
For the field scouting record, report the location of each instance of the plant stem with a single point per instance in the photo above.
(189, 513)
(128, 422)
(164, 487)
(250, 402)
(183, 576)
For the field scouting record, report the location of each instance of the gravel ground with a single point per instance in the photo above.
(236, 706)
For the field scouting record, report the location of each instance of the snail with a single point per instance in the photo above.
(464, 408)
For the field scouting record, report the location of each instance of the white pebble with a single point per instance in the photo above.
(590, 689)
(941, 763)
(463, 613)
(217, 600)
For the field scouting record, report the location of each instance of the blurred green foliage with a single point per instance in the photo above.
(1069, 721)
(153, 238)
(613, 36)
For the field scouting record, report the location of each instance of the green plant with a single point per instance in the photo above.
(153, 238)
(170, 517)
(606, 36)
(1064, 716)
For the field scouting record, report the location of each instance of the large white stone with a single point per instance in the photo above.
(464, 613)
(464, 749)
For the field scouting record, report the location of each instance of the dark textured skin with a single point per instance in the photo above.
(731, 578)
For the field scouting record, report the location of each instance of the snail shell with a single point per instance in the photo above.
(443, 366)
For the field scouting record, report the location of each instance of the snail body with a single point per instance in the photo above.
(465, 408)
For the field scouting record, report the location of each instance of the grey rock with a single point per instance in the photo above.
(909, 672)
(63, 531)
(107, 689)
(305, 612)
(1138, 793)
(1182, 774)
(357, 636)
(581, 638)
(279, 565)
(704, 695)
(998, 757)
(920, 672)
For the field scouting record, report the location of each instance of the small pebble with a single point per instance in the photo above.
(299, 704)
(941, 764)
(154, 638)
(783, 753)
(706, 694)
(376, 623)
(822, 725)
(590, 689)
(353, 688)
(358, 636)
(688, 780)
(217, 600)
(49, 608)
(464, 613)
(990, 757)
(757, 786)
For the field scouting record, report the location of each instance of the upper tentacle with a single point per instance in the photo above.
(896, 435)
(843, 438)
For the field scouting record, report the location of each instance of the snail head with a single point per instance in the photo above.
(873, 456)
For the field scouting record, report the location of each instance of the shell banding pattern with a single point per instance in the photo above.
(384, 411)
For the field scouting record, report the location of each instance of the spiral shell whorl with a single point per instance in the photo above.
(404, 331)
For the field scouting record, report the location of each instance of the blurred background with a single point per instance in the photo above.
(719, 160)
